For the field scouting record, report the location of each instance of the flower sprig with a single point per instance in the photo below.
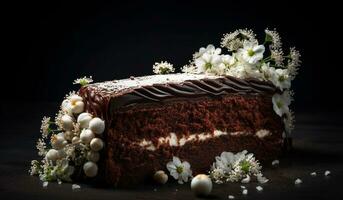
(69, 146)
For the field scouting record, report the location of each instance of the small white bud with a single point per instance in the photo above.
(90, 169)
(83, 119)
(93, 156)
(97, 125)
(86, 136)
(67, 122)
(96, 144)
(161, 177)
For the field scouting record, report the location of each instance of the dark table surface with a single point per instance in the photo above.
(317, 146)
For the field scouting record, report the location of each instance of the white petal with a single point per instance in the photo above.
(176, 161)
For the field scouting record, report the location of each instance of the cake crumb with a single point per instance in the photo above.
(259, 188)
(314, 174)
(231, 197)
(327, 173)
(245, 192)
(298, 181)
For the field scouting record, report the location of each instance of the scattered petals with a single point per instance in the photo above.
(75, 187)
(231, 197)
(327, 173)
(245, 192)
(275, 162)
(314, 174)
(259, 188)
(298, 181)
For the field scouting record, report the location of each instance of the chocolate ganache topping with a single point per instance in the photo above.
(158, 88)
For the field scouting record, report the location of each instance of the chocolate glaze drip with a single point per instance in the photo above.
(97, 99)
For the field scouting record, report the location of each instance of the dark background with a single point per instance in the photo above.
(48, 44)
(53, 43)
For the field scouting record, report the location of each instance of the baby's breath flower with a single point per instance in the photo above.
(234, 40)
(41, 147)
(44, 129)
(274, 38)
(277, 57)
(83, 81)
(293, 62)
(35, 168)
(163, 68)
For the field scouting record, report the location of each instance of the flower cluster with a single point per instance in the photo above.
(83, 81)
(230, 167)
(247, 58)
(70, 145)
(181, 171)
(163, 68)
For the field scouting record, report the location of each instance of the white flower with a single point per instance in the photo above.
(251, 52)
(83, 81)
(281, 79)
(206, 62)
(180, 171)
(238, 71)
(67, 122)
(225, 161)
(267, 71)
(86, 136)
(76, 104)
(231, 167)
(45, 126)
(96, 144)
(83, 119)
(210, 49)
(163, 67)
(90, 169)
(281, 103)
(97, 125)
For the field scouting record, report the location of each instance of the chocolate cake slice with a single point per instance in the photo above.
(193, 116)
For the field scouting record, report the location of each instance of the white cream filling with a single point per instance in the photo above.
(173, 141)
